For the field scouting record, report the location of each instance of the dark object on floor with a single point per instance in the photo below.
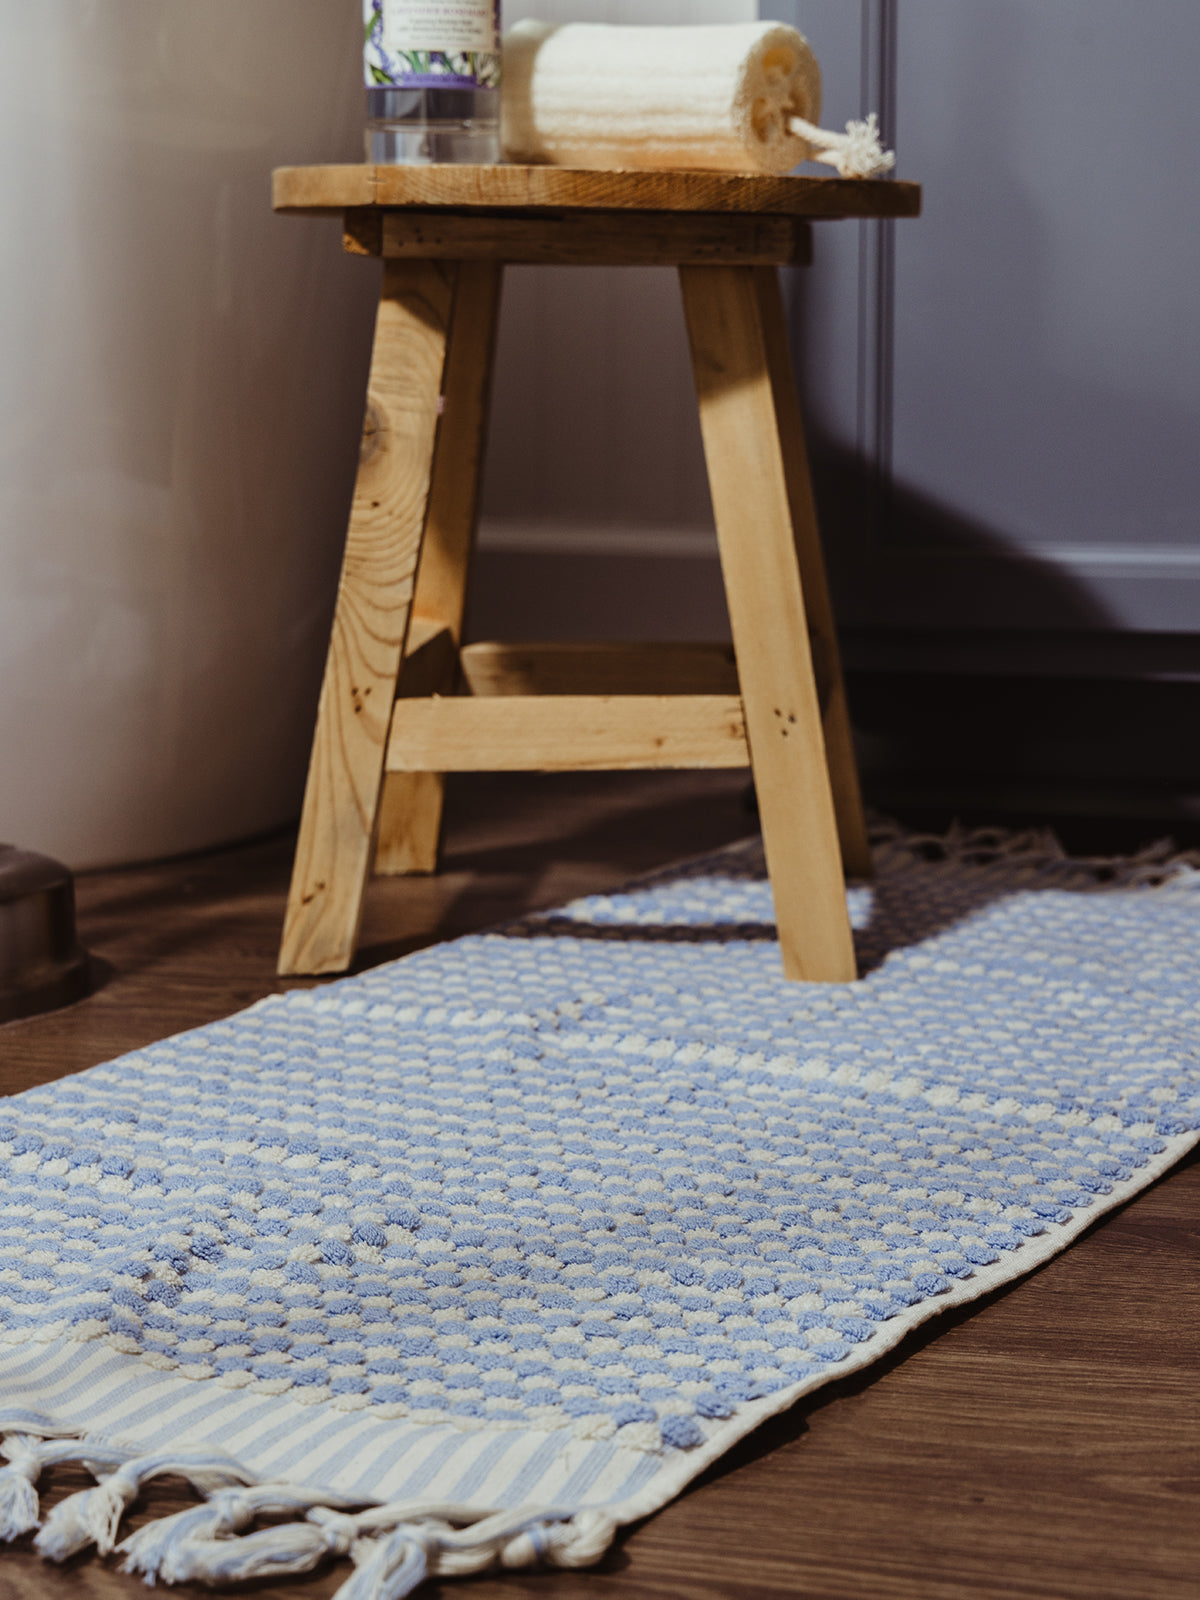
(42, 964)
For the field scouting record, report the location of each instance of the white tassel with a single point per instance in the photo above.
(391, 1567)
(18, 1494)
(90, 1517)
(28, 1457)
(857, 153)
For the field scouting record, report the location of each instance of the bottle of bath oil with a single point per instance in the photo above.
(433, 80)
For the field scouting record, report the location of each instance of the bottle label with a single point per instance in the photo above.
(431, 44)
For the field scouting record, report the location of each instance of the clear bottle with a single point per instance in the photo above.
(432, 71)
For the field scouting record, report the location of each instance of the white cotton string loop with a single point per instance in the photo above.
(578, 1543)
(394, 1565)
(286, 1551)
(857, 153)
(453, 1513)
(341, 1531)
(201, 1545)
(524, 1539)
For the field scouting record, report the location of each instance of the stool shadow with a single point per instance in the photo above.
(898, 918)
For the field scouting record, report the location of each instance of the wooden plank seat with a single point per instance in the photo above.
(404, 701)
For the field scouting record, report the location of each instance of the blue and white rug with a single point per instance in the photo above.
(478, 1256)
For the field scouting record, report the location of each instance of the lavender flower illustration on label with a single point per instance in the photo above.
(431, 44)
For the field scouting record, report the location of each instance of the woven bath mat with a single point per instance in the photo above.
(478, 1256)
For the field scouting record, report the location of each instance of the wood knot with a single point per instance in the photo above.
(374, 427)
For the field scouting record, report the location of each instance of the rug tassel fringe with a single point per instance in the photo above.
(28, 1457)
(93, 1516)
(507, 1539)
(202, 1545)
(286, 1551)
(149, 1551)
(19, 1510)
(1038, 851)
(90, 1517)
(394, 1548)
(395, 1566)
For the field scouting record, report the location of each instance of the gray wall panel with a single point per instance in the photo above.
(1028, 380)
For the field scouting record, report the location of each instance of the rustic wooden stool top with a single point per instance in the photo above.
(404, 702)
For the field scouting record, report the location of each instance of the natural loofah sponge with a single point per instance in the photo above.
(593, 95)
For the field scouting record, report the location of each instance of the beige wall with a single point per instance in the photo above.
(180, 394)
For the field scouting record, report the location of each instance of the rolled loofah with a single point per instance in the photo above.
(718, 97)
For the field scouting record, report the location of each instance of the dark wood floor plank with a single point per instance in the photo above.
(1042, 1446)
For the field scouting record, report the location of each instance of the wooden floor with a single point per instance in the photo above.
(1045, 1444)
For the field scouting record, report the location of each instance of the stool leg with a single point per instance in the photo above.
(341, 799)
(410, 819)
(749, 479)
(839, 745)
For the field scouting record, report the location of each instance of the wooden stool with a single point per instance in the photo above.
(404, 703)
